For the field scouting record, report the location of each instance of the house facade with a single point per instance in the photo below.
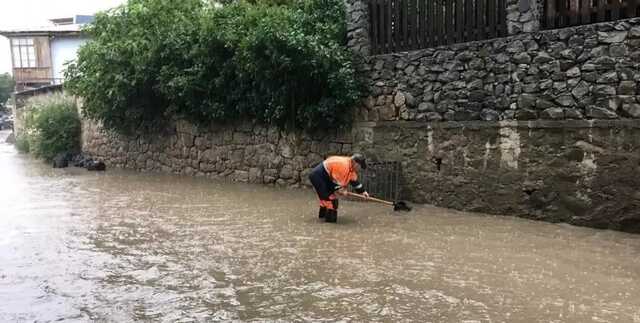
(39, 54)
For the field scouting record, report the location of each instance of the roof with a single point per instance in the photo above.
(70, 26)
(69, 30)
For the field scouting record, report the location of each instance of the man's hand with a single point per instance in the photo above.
(365, 194)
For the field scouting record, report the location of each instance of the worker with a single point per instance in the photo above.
(333, 175)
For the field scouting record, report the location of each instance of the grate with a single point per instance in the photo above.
(382, 179)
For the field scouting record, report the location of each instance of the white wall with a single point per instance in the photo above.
(63, 50)
(5, 56)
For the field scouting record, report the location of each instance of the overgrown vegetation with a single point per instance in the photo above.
(22, 144)
(51, 126)
(280, 62)
(6, 88)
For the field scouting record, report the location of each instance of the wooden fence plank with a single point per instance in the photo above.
(417, 26)
(615, 9)
(428, 23)
(469, 22)
(382, 30)
(372, 24)
(405, 23)
(375, 25)
(459, 22)
(602, 8)
(563, 8)
(502, 18)
(434, 29)
(441, 23)
(632, 8)
(490, 18)
(419, 19)
(397, 29)
(468, 6)
(450, 19)
(410, 23)
(389, 26)
(573, 11)
(480, 19)
(445, 23)
(415, 23)
(550, 12)
(436, 23)
(586, 12)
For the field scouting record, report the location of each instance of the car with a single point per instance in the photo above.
(6, 122)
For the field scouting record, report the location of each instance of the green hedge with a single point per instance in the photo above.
(51, 126)
(22, 144)
(152, 60)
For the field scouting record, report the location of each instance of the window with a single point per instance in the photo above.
(24, 53)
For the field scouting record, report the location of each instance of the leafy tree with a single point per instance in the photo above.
(280, 62)
(117, 71)
(6, 88)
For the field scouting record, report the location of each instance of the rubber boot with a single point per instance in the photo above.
(331, 216)
(322, 212)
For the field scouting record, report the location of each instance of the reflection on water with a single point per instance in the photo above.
(121, 246)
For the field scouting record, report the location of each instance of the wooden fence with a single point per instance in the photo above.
(401, 25)
(565, 13)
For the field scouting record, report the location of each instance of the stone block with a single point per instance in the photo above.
(631, 110)
(610, 77)
(387, 112)
(612, 37)
(552, 114)
(565, 101)
(399, 99)
(525, 114)
(573, 114)
(627, 88)
(600, 113)
(580, 90)
(489, 115)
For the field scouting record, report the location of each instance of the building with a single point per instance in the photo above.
(39, 53)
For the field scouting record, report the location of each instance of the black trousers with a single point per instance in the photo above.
(323, 185)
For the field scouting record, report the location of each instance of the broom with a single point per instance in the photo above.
(397, 206)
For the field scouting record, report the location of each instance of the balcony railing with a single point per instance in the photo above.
(34, 83)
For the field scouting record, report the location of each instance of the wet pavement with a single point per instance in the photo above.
(78, 246)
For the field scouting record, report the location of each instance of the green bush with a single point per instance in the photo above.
(51, 126)
(22, 144)
(6, 88)
(152, 60)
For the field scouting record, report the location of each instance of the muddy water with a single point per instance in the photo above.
(77, 246)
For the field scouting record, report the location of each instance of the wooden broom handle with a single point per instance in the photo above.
(369, 198)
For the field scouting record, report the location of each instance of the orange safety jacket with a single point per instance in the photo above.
(341, 171)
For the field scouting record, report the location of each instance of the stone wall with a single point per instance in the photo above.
(574, 171)
(586, 72)
(244, 153)
(20, 100)
(540, 124)
(580, 172)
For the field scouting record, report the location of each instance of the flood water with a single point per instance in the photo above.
(78, 246)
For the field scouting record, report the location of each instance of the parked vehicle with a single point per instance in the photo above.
(6, 122)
